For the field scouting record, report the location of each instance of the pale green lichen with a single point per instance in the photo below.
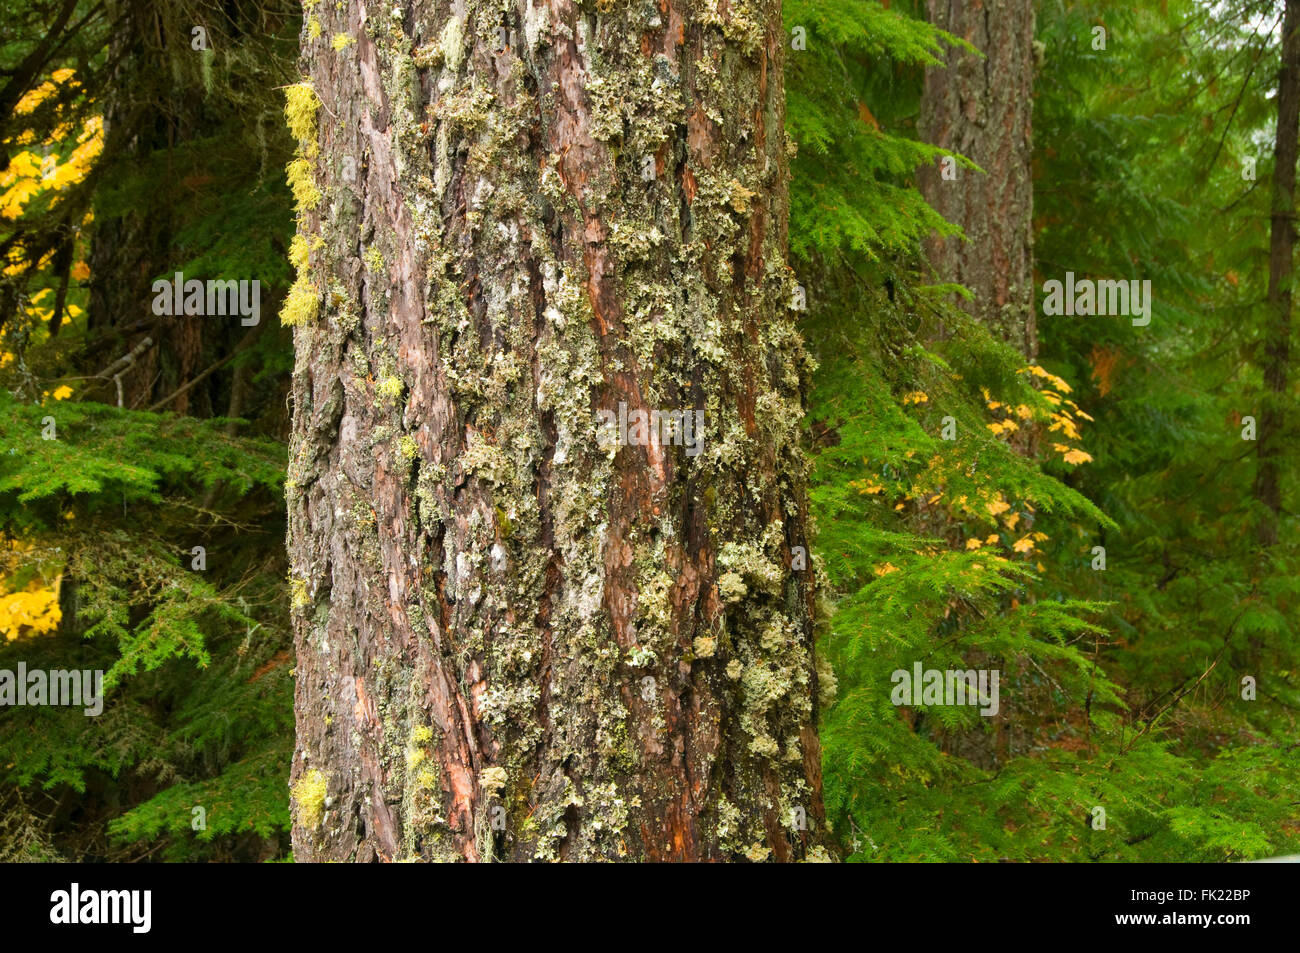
(653, 600)
(828, 685)
(492, 780)
(731, 587)
(748, 561)
(487, 461)
(679, 325)
(452, 42)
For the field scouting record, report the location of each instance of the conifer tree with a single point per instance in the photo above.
(979, 103)
(1281, 274)
(546, 492)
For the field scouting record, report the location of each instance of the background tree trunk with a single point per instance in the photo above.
(133, 240)
(516, 641)
(1281, 270)
(982, 108)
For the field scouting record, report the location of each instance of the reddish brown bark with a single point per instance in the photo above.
(982, 108)
(514, 640)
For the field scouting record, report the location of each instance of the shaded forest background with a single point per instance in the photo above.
(137, 146)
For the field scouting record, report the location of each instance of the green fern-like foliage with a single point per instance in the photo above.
(1105, 748)
(198, 699)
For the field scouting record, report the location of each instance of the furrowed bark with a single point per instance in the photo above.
(982, 108)
(517, 640)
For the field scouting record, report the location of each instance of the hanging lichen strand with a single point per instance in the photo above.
(519, 635)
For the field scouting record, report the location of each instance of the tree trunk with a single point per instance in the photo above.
(518, 639)
(1281, 269)
(982, 108)
(131, 243)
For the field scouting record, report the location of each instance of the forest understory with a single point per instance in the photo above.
(670, 430)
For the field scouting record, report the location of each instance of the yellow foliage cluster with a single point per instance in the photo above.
(32, 609)
(988, 505)
(41, 168)
(31, 612)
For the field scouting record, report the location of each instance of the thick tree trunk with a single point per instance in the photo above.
(1281, 271)
(517, 639)
(982, 108)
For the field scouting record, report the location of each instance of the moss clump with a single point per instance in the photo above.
(374, 259)
(298, 252)
(414, 758)
(302, 303)
(309, 795)
(303, 184)
(390, 388)
(300, 106)
(408, 448)
(298, 593)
